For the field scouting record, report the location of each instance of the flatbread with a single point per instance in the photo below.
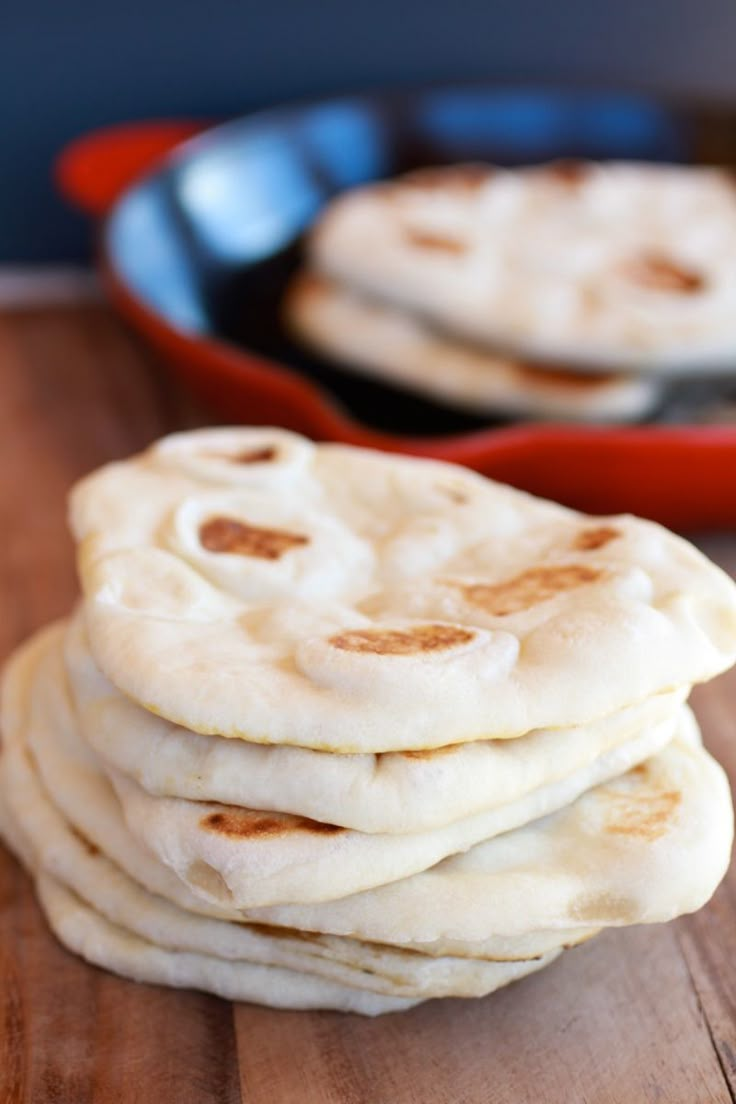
(96, 939)
(278, 571)
(82, 869)
(251, 858)
(70, 775)
(374, 338)
(618, 266)
(387, 793)
(247, 858)
(98, 911)
(644, 848)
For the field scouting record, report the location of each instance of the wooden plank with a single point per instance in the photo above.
(708, 938)
(642, 1015)
(612, 1022)
(77, 391)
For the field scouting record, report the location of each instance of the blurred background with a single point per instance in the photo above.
(69, 67)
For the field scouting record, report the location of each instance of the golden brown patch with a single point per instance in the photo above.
(603, 908)
(438, 243)
(261, 455)
(223, 534)
(536, 585)
(449, 177)
(657, 272)
(588, 540)
(642, 816)
(568, 171)
(419, 639)
(563, 378)
(245, 824)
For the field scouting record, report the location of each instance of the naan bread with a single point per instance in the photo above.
(250, 859)
(394, 792)
(644, 848)
(248, 584)
(374, 338)
(70, 859)
(70, 775)
(94, 938)
(615, 266)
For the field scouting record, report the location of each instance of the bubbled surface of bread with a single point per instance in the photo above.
(361, 602)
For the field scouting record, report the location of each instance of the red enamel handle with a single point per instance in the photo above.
(92, 171)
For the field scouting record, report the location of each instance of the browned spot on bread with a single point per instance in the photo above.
(528, 589)
(223, 534)
(564, 379)
(438, 243)
(90, 848)
(657, 272)
(420, 638)
(603, 908)
(262, 455)
(641, 816)
(568, 171)
(247, 824)
(588, 540)
(449, 177)
(308, 284)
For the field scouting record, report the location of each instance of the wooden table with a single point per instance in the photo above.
(647, 1014)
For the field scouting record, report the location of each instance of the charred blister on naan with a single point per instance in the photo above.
(450, 178)
(658, 272)
(265, 454)
(247, 824)
(528, 589)
(567, 171)
(642, 816)
(590, 540)
(434, 242)
(417, 640)
(603, 908)
(237, 538)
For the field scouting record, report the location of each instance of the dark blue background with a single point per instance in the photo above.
(69, 65)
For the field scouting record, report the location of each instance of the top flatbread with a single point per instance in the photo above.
(616, 266)
(248, 583)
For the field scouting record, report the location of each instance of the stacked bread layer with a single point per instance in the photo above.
(342, 730)
(475, 285)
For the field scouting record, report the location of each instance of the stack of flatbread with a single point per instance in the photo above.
(338, 729)
(472, 285)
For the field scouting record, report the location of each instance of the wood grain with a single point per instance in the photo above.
(642, 1015)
